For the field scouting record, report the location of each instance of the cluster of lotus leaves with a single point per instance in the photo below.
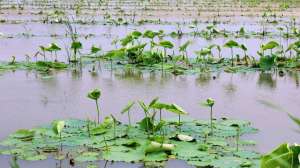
(85, 141)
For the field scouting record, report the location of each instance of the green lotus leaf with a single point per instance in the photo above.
(87, 157)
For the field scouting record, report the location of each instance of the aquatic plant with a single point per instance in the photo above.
(53, 47)
(210, 103)
(57, 127)
(95, 95)
(95, 50)
(165, 45)
(231, 44)
(76, 46)
(183, 49)
(127, 110)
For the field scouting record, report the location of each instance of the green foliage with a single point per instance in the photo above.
(94, 94)
(76, 45)
(166, 44)
(191, 145)
(270, 45)
(231, 44)
(283, 156)
(267, 62)
(58, 126)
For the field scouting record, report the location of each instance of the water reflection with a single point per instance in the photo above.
(267, 80)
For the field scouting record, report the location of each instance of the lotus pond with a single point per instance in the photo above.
(149, 84)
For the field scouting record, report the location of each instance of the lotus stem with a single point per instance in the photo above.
(237, 138)
(211, 118)
(98, 112)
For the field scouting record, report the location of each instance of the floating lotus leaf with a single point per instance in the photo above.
(156, 157)
(115, 145)
(124, 154)
(24, 135)
(87, 157)
(247, 154)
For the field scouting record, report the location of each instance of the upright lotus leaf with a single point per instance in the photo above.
(174, 108)
(144, 107)
(184, 46)
(94, 94)
(166, 44)
(58, 126)
(54, 47)
(95, 49)
(243, 47)
(153, 102)
(270, 45)
(231, 44)
(210, 103)
(280, 157)
(127, 108)
(76, 45)
(136, 34)
(128, 39)
(149, 34)
(159, 105)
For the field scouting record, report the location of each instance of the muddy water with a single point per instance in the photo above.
(264, 99)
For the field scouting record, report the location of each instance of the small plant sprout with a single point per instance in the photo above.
(57, 128)
(127, 110)
(231, 44)
(238, 130)
(95, 95)
(210, 103)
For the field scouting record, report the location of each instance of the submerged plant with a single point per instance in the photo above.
(95, 95)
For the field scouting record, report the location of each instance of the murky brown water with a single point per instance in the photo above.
(262, 98)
